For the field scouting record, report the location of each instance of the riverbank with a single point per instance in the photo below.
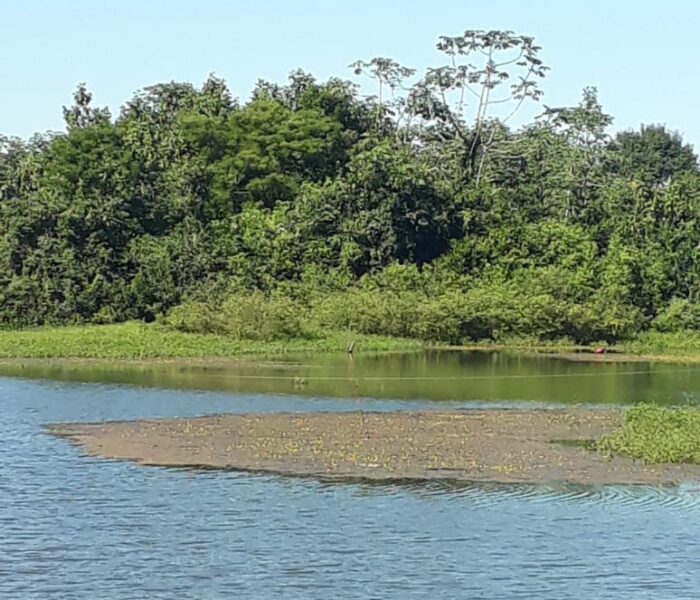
(507, 446)
(650, 346)
(135, 341)
(139, 342)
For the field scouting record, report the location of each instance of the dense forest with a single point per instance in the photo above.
(418, 211)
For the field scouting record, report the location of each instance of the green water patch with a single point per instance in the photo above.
(585, 444)
(460, 376)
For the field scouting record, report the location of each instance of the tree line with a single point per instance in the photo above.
(417, 211)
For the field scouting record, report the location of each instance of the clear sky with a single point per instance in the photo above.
(642, 55)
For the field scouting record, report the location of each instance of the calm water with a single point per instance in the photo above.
(431, 375)
(83, 528)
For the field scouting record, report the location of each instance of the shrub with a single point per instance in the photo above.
(253, 316)
(679, 315)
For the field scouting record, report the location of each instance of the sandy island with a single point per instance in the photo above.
(513, 446)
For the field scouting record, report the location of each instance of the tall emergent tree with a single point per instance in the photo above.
(486, 69)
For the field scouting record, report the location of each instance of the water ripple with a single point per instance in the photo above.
(74, 527)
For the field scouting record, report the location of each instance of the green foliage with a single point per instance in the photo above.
(404, 302)
(679, 315)
(653, 155)
(245, 317)
(680, 344)
(656, 435)
(262, 152)
(310, 209)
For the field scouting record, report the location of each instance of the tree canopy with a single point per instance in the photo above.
(310, 190)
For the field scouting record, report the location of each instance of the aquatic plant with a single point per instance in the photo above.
(656, 435)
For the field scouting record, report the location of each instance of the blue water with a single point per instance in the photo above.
(73, 527)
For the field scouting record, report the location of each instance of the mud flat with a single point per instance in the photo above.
(510, 446)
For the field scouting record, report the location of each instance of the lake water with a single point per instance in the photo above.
(446, 375)
(73, 527)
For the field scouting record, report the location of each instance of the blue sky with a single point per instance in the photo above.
(642, 56)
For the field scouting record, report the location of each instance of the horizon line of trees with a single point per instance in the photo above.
(417, 211)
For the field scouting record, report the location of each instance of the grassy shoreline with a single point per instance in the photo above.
(135, 341)
(614, 354)
(679, 347)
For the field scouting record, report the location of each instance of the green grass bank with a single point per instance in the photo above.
(138, 341)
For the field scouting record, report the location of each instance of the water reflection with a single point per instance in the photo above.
(444, 375)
